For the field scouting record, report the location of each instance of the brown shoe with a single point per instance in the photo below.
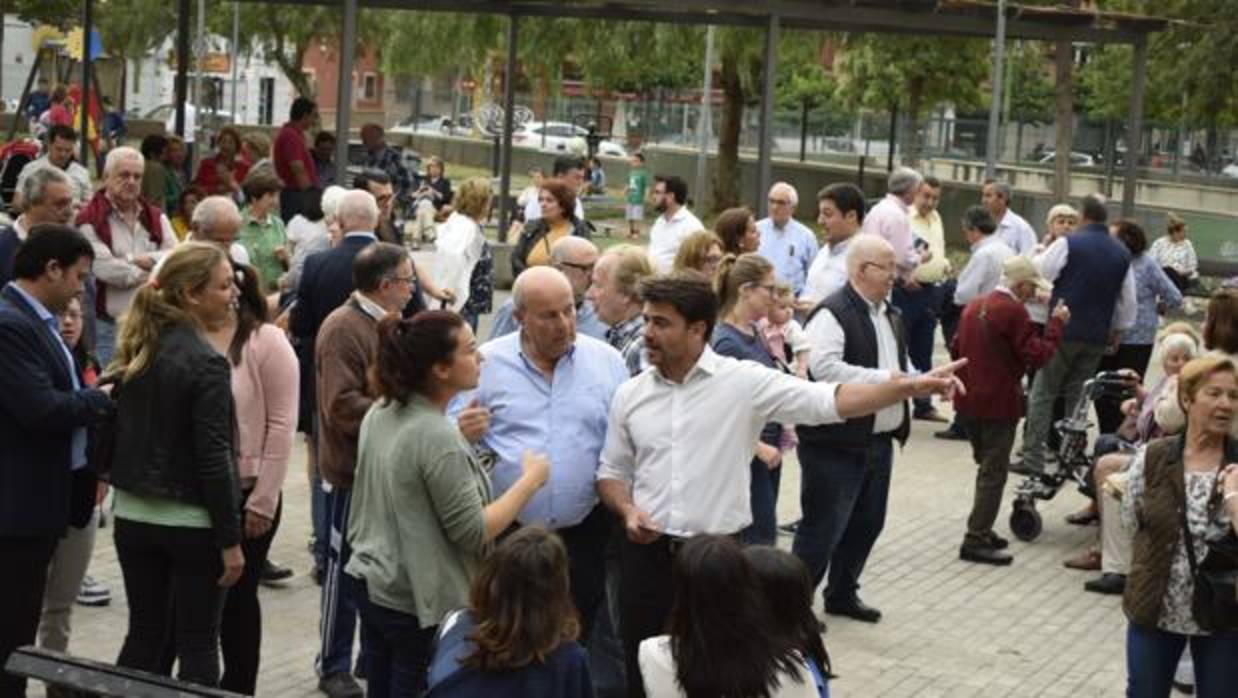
(1088, 560)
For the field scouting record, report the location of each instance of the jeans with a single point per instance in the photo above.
(919, 310)
(338, 611)
(991, 442)
(21, 598)
(171, 570)
(64, 580)
(843, 495)
(105, 340)
(1074, 363)
(240, 631)
(1152, 656)
(399, 648)
(763, 493)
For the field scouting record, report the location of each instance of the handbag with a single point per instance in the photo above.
(1214, 603)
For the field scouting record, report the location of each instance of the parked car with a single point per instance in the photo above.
(560, 136)
(1077, 159)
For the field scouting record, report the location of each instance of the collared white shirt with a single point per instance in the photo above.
(667, 235)
(828, 272)
(1017, 233)
(369, 306)
(83, 187)
(825, 359)
(983, 270)
(114, 267)
(1053, 261)
(685, 448)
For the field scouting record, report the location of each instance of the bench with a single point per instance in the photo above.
(91, 678)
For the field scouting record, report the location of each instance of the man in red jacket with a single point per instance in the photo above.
(1000, 343)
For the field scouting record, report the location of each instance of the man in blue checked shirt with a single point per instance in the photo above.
(786, 242)
(548, 390)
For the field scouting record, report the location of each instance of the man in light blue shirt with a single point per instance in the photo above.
(548, 389)
(787, 243)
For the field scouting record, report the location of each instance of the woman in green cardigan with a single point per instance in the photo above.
(422, 512)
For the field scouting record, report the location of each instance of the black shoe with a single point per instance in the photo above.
(790, 527)
(931, 415)
(997, 542)
(1107, 583)
(341, 685)
(984, 554)
(1184, 688)
(273, 573)
(1021, 467)
(950, 434)
(854, 608)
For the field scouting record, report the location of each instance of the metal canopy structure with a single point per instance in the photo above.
(951, 18)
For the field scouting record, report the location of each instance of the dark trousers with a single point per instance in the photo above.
(1152, 657)
(645, 595)
(1180, 280)
(991, 442)
(586, 558)
(398, 648)
(240, 629)
(605, 645)
(843, 495)
(763, 494)
(1133, 356)
(919, 311)
(171, 581)
(21, 599)
(338, 611)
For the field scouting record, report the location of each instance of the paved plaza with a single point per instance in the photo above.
(950, 628)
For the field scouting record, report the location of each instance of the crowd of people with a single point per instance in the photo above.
(585, 502)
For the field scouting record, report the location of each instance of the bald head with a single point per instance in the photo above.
(536, 283)
(216, 220)
(545, 307)
(575, 257)
(870, 266)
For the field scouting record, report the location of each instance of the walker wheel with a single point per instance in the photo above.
(1025, 521)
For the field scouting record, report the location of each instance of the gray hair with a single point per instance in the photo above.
(863, 248)
(123, 152)
(35, 187)
(979, 218)
(331, 197)
(214, 211)
(532, 276)
(1002, 187)
(1179, 341)
(357, 211)
(904, 180)
(785, 187)
(569, 247)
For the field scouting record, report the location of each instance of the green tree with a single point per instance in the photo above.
(1030, 91)
(914, 74)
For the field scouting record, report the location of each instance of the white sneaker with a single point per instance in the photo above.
(93, 593)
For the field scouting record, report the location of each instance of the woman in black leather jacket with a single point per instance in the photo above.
(177, 506)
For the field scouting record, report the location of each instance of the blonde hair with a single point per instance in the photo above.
(631, 266)
(259, 143)
(1061, 211)
(1196, 372)
(161, 304)
(472, 199)
(733, 273)
(694, 249)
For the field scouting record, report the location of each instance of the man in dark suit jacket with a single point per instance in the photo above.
(44, 412)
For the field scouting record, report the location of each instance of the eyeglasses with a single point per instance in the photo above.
(586, 269)
(401, 279)
(779, 202)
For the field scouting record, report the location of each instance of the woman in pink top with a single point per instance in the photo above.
(264, 389)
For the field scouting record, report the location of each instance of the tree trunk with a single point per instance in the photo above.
(911, 138)
(1064, 116)
(726, 182)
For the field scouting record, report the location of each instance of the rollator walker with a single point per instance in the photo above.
(1074, 458)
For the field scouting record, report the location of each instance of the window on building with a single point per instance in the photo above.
(369, 87)
(266, 101)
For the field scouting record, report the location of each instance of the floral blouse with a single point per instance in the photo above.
(1176, 616)
(1175, 255)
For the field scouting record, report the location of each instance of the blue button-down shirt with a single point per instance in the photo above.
(790, 248)
(565, 418)
(78, 444)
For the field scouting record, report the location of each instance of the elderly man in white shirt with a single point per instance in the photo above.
(683, 432)
(674, 223)
(1012, 228)
(129, 236)
(856, 337)
(840, 213)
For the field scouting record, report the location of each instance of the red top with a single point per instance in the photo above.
(209, 171)
(1000, 343)
(289, 147)
(59, 115)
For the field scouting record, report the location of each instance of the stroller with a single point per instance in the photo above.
(1074, 457)
(13, 157)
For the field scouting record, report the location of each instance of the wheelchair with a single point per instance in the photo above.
(1075, 459)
